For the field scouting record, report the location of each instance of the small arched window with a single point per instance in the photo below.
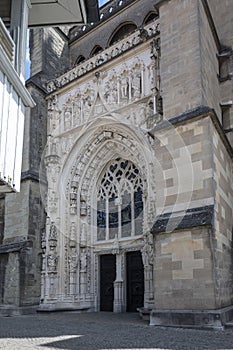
(96, 50)
(151, 16)
(80, 59)
(121, 32)
(120, 201)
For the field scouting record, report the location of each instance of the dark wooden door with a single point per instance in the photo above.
(107, 277)
(135, 281)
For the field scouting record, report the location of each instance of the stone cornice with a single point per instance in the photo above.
(12, 247)
(202, 216)
(149, 31)
(191, 115)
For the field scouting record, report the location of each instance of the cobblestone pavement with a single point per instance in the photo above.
(101, 331)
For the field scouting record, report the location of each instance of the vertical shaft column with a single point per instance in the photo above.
(118, 285)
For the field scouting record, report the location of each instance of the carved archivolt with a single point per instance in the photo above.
(107, 144)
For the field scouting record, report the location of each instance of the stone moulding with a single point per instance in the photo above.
(202, 216)
(13, 247)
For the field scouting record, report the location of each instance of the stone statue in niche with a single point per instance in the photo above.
(66, 144)
(52, 120)
(136, 85)
(147, 250)
(83, 260)
(54, 147)
(111, 92)
(88, 99)
(67, 118)
(73, 236)
(83, 233)
(77, 112)
(83, 207)
(52, 261)
(53, 200)
(53, 232)
(73, 262)
(124, 86)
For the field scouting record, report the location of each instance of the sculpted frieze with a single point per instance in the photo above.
(124, 89)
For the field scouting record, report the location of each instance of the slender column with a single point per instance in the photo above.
(118, 286)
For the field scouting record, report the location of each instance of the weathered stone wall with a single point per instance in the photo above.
(24, 228)
(189, 65)
(207, 178)
(209, 63)
(36, 133)
(48, 52)
(222, 244)
(16, 215)
(183, 276)
(31, 257)
(223, 20)
(12, 280)
(222, 16)
(180, 56)
(184, 170)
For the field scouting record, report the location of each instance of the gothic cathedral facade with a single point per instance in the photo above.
(127, 190)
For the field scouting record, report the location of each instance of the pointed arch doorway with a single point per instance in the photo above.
(119, 226)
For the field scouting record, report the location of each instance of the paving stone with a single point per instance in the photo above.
(102, 331)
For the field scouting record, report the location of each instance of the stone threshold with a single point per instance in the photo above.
(200, 319)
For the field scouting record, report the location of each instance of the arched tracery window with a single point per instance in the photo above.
(120, 201)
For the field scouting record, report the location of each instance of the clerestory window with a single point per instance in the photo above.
(120, 201)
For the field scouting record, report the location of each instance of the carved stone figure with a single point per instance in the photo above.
(124, 87)
(83, 260)
(73, 263)
(53, 232)
(73, 235)
(136, 85)
(52, 261)
(147, 250)
(67, 118)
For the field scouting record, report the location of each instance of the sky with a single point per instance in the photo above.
(102, 2)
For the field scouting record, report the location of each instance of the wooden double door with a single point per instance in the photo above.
(134, 281)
